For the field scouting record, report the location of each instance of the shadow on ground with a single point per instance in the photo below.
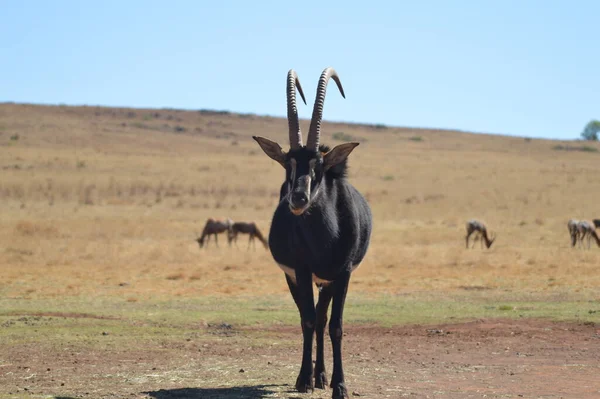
(243, 392)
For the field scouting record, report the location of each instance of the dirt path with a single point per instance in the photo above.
(490, 358)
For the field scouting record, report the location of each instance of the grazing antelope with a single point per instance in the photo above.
(246, 228)
(480, 230)
(586, 229)
(214, 227)
(320, 232)
(573, 231)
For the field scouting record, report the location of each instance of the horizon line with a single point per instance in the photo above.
(375, 125)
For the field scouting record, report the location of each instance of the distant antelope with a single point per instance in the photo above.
(573, 231)
(246, 228)
(586, 229)
(480, 230)
(214, 227)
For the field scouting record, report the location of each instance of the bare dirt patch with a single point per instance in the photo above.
(484, 358)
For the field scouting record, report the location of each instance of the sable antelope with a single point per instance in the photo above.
(573, 231)
(214, 227)
(246, 228)
(480, 230)
(320, 232)
(586, 229)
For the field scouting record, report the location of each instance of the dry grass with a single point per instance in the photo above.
(107, 202)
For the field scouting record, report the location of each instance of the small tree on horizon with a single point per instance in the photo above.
(590, 132)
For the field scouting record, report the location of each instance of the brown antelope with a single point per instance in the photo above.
(214, 227)
(246, 228)
(480, 230)
(587, 229)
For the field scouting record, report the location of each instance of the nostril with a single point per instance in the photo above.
(299, 199)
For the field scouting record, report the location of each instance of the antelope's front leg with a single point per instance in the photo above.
(306, 304)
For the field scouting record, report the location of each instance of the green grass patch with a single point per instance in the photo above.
(386, 310)
(505, 307)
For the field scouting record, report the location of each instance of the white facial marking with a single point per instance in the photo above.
(311, 165)
(308, 182)
(293, 173)
(304, 180)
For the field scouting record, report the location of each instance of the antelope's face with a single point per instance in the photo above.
(304, 170)
(305, 165)
(304, 173)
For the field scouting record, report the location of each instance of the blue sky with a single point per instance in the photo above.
(527, 68)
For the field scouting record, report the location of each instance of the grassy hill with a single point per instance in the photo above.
(107, 202)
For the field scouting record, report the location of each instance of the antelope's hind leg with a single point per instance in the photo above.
(325, 296)
(340, 288)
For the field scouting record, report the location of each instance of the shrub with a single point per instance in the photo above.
(341, 136)
(583, 148)
(590, 132)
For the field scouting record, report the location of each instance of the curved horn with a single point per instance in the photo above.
(314, 133)
(292, 110)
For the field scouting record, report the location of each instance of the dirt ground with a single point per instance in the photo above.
(492, 359)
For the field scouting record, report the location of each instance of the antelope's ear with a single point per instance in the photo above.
(338, 154)
(272, 149)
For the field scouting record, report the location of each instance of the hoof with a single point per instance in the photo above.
(320, 380)
(304, 383)
(339, 391)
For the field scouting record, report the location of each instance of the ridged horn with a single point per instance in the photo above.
(292, 111)
(314, 132)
